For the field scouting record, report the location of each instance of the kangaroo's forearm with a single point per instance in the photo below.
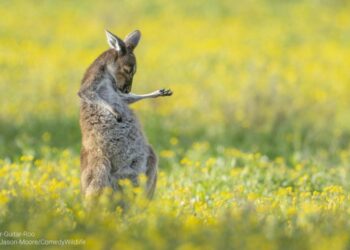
(131, 98)
(91, 96)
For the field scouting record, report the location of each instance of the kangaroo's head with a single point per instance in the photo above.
(123, 65)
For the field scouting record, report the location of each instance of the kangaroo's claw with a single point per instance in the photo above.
(165, 92)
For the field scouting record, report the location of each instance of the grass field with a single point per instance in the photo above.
(253, 145)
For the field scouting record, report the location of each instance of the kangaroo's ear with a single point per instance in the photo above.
(115, 42)
(132, 40)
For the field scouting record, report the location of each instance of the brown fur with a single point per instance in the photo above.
(113, 144)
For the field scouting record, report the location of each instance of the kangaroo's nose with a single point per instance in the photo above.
(128, 89)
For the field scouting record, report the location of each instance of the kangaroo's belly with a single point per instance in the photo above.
(119, 140)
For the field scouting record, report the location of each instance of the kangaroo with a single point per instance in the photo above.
(114, 146)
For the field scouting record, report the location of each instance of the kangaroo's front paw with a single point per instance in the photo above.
(117, 115)
(165, 92)
(119, 118)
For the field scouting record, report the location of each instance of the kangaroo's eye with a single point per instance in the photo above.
(127, 69)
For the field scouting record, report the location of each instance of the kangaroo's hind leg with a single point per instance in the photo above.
(95, 177)
(151, 173)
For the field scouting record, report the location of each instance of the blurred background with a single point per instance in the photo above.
(262, 76)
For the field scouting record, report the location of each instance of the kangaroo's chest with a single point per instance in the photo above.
(120, 139)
